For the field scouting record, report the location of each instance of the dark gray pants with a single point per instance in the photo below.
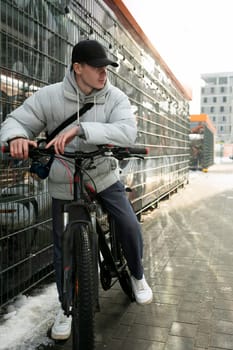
(117, 204)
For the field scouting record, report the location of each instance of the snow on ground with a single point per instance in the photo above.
(25, 324)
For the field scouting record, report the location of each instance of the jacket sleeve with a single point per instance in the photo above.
(25, 121)
(120, 128)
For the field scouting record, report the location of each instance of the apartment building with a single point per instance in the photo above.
(217, 102)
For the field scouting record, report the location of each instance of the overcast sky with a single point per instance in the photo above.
(192, 36)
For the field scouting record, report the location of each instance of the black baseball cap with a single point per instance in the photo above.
(92, 53)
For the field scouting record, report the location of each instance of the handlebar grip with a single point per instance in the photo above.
(138, 150)
(33, 151)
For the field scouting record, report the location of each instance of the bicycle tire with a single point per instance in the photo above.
(84, 300)
(126, 285)
(124, 274)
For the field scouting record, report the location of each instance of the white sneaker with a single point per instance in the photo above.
(62, 326)
(142, 292)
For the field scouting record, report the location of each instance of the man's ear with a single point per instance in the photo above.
(77, 67)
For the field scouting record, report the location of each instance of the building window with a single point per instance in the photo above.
(212, 90)
(205, 100)
(221, 108)
(222, 89)
(224, 99)
(202, 90)
(223, 118)
(214, 99)
(214, 119)
(202, 110)
(212, 80)
(211, 109)
(223, 80)
(221, 128)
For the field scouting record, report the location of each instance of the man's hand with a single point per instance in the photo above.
(19, 147)
(63, 139)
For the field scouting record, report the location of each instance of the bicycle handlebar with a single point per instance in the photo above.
(104, 150)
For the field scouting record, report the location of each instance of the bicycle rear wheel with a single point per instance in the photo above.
(118, 254)
(84, 300)
(125, 281)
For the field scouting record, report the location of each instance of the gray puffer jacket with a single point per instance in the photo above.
(109, 121)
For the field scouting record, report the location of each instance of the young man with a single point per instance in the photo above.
(109, 121)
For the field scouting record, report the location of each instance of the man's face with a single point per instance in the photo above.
(89, 78)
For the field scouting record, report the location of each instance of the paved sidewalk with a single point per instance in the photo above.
(189, 264)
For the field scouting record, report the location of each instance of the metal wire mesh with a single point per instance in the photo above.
(36, 39)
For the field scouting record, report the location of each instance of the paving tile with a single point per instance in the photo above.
(222, 341)
(187, 317)
(163, 298)
(128, 318)
(150, 333)
(113, 345)
(183, 329)
(224, 315)
(205, 326)
(193, 306)
(224, 304)
(179, 343)
(192, 296)
(223, 327)
(161, 320)
(202, 340)
(121, 331)
(140, 345)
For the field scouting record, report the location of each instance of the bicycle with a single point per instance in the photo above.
(89, 241)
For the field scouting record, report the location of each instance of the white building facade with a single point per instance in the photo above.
(217, 102)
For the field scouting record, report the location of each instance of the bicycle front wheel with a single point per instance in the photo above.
(84, 301)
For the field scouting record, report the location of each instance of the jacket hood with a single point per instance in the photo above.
(73, 93)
